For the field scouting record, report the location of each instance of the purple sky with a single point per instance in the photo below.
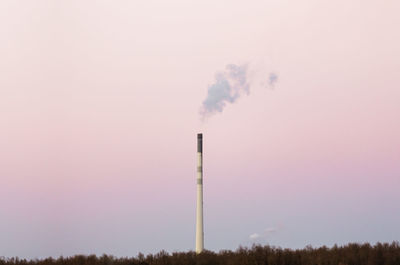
(99, 110)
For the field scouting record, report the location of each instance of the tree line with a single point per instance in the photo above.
(350, 254)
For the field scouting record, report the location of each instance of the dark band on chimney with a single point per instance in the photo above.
(200, 142)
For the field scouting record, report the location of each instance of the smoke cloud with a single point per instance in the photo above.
(228, 86)
(231, 84)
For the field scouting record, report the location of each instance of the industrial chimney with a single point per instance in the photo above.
(199, 210)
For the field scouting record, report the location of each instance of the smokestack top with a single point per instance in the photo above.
(200, 142)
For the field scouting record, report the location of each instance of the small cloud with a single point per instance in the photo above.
(254, 236)
(272, 79)
(266, 232)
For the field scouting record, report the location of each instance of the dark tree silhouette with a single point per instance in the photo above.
(351, 254)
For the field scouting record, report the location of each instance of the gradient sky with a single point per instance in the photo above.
(99, 110)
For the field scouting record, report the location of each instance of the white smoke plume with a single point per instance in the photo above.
(227, 88)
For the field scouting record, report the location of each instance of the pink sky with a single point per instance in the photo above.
(99, 110)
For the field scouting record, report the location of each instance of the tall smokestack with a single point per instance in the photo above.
(199, 212)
